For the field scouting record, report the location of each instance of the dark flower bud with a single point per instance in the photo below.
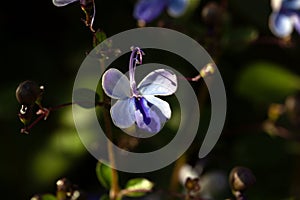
(192, 185)
(28, 92)
(292, 105)
(211, 13)
(64, 185)
(36, 197)
(241, 178)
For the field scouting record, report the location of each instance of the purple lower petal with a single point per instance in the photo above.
(143, 109)
(148, 117)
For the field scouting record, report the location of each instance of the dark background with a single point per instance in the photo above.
(47, 44)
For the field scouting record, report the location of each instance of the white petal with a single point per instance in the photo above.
(60, 3)
(115, 84)
(159, 82)
(162, 105)
(280, 25)
(122, 113)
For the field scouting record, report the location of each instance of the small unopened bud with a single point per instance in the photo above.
(241, 178)
(211, 13)
(192, 185)
(292, 105)
(275, 111)
(64, 185)
(28, 92)
(36, 197)
(207, 70)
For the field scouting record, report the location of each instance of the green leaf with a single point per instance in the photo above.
(44, 197)
(266, 82)
(104, 175)
(99, 37)
(138, 187)
(104, 197)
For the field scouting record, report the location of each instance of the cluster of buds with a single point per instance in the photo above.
(66, 190)
(29, 95)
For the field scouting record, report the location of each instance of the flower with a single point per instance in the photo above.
(285, 17)
(139, 104)
(60, 3)
(87, 6)
(148, 10)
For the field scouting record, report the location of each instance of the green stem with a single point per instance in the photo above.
(115, 189)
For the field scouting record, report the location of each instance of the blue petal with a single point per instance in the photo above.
(115, 84)
(60, 3)
(297, 23)
(122, 113)
(162, 105)
(148, 10)
(148, 117)
(291, 4)
(159, 82)
(177, 8)
(280, 25)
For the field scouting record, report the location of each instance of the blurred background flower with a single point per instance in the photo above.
(285, 17)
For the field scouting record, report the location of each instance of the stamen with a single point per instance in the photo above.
(136, 57)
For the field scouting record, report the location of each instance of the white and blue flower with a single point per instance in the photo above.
(148, 10)
(88, 7)
(285, 17)
(138, 104)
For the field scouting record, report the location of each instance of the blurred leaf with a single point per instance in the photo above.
(191, 7)
(48, 197)
(138, 187)
(266, 82)
(56, 156)
(238, 38)
(104, 197)
(104, 175)
(99, 37)
(85, 98)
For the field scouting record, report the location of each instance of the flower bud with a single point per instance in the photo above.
(292, 105)
(211, 13)
(64, 185)
(28, 92)
(36, 197)
(192, 185)
(241, 178)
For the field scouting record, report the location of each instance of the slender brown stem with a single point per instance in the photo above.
(174, 180)
(27, 128)
(114, 190)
